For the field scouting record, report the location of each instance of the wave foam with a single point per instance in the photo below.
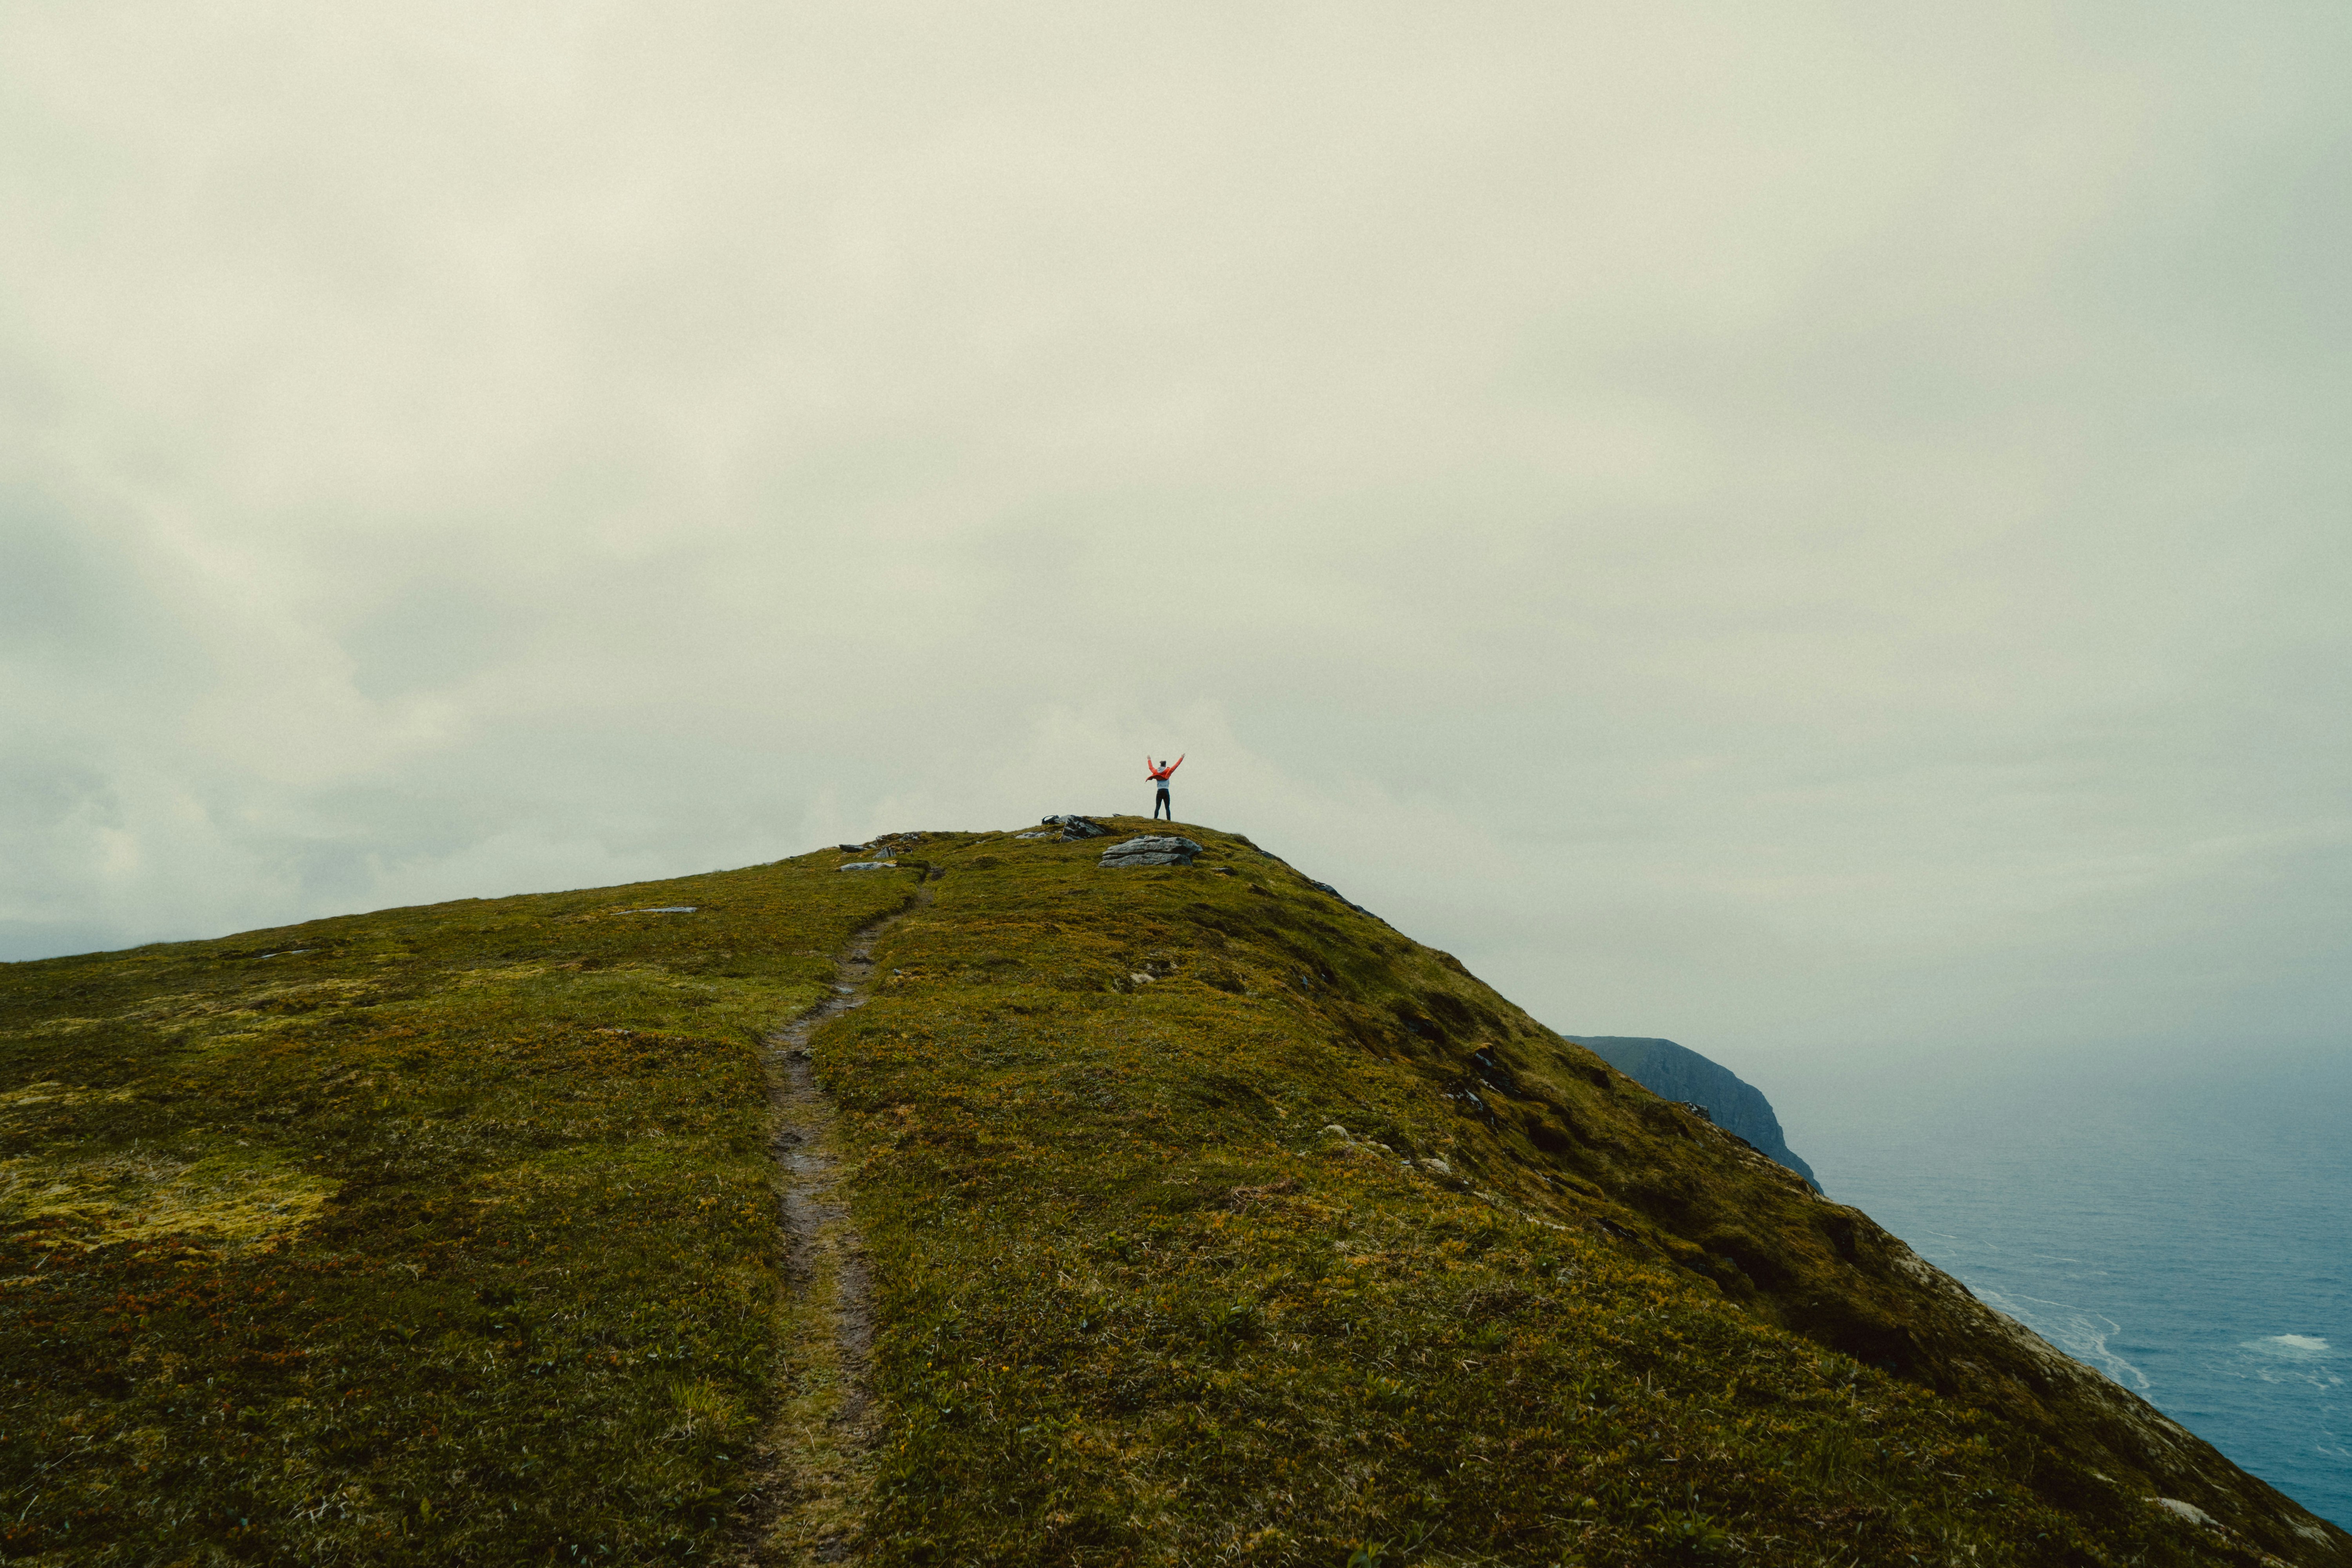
(2079, 1332)
(2290, 1347)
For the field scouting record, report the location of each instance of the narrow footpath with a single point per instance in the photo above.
(805, 1507)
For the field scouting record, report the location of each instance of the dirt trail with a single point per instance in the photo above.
(805, 1506)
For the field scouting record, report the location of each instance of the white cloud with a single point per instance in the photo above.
(1823, 526)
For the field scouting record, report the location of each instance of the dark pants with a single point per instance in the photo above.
(1160, 804)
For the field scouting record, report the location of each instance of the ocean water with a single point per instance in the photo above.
(2182, 1222)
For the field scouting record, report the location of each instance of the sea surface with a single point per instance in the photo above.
(2181, 1221)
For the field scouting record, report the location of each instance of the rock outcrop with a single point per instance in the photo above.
(1068, 829)
(1150, 851)
(1677, 1072)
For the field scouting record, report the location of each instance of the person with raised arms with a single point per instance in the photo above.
(1159, 775)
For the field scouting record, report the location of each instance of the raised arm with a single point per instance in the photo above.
(1177, 764)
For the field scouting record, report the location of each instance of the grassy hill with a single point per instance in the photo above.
(1161, 1216)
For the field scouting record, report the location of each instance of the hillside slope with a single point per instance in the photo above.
(1202, 1216)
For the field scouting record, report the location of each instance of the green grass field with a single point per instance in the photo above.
(437, 1234)
(1207, 1220)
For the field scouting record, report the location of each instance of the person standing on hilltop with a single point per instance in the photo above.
(1160, 776)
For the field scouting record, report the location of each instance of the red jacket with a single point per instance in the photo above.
(1161, 774)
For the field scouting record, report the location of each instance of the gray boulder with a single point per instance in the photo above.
(1150, 851)
(1075, 827)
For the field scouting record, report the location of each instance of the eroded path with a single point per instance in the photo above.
(806, 1507)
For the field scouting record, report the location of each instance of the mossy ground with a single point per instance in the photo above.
(1135, 1303)
(450, 1236)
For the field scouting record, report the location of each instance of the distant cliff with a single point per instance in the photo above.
(1677, 1072)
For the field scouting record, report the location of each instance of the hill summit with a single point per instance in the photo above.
(962, 1198)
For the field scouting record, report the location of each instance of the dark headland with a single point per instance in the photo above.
(1678, 1073)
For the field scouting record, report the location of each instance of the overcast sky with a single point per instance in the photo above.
(1779, 527)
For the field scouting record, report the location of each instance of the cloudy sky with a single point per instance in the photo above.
(1783, 527)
